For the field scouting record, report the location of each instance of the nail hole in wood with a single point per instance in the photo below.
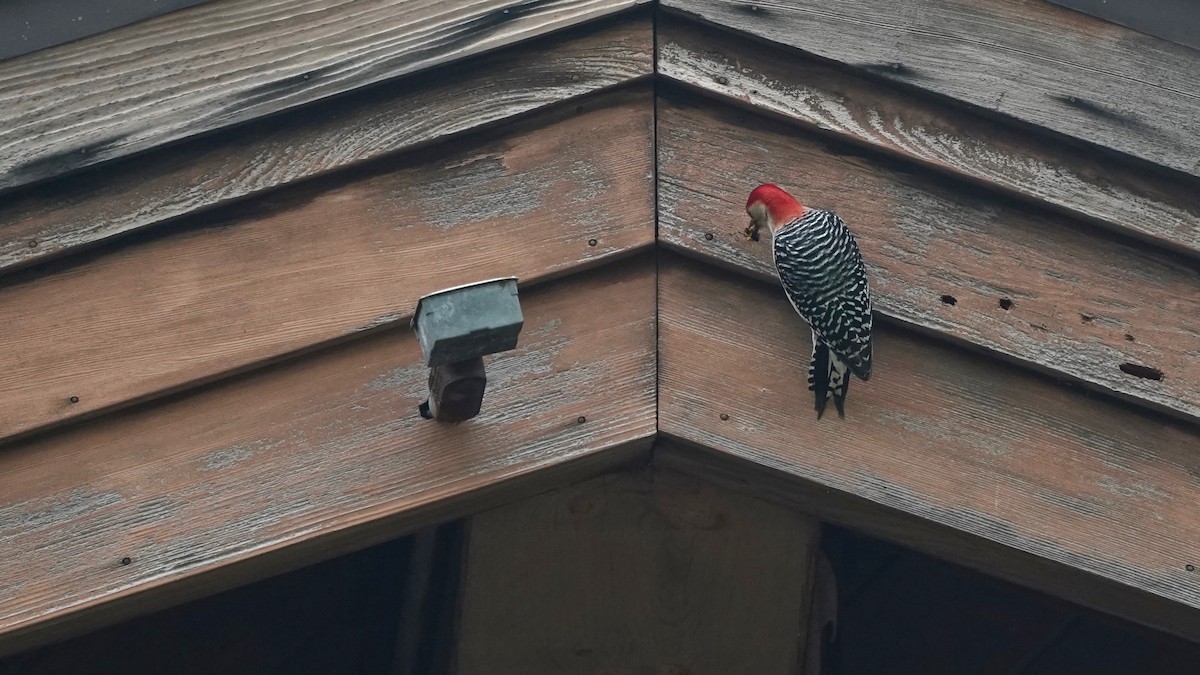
(33, 243)
(1128, 337)
(708, 236)
(580, 420)
(724, 417)
(1145, 372)
(1006, 304)
(1086, 318)
(74, 399)
(592, 242)
(949, 300)
(126, 560)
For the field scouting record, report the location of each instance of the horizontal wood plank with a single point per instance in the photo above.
(323, 261)
(1163, 209)
(645, 572)
(315, 458)
(1031, 286)
(230, 61)
(1033, 61)
(126, 195)
(944, 450)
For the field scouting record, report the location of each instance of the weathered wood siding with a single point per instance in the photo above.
(945, 436)
(124, 196)
(313, 458)
(1031, 61)
(1023, 283)
(221, 63)
(856, 106)
(323, 261)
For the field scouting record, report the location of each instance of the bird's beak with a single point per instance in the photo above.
(751, 230)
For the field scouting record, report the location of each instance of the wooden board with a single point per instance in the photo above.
(324, 261)
(227, 62)
(315, 458)
(1033, 61)
(649, 572)
(134, 193)
(943, 450)
(1161, 208)
(1034, 287)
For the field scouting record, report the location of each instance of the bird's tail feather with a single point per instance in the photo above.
(828, 376)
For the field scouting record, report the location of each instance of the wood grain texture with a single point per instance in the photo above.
(648, 572)
(1031, 286)
(1033, 61)
(943, 450)
(1163, 209)
(323, 261)
(126, 195)
(227, 62)
(314, 458)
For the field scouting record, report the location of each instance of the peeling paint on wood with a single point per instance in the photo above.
(314, 458)
(209, 67)
(1162, 208)
(323, 261)
(1035, 62)
(947, 437)
(925, 238)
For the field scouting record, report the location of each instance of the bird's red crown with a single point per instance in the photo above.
(781, 207)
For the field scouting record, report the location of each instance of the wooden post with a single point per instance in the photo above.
(648, 572)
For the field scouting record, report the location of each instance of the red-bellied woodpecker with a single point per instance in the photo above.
(823, 276)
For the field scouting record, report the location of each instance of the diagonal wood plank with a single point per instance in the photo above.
(943, 256)
(130, 194)
(315, 458)
(1033, 61)
(324, 261)
(1163, 209)
(1019, 467)
(226, 62)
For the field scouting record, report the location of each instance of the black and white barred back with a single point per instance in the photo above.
(824, 277)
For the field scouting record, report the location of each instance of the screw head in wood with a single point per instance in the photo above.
(592, 242)
(74, 399)
(126, 560)
(724, 417)
(580, 420)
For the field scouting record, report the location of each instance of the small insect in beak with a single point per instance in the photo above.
(751, 230)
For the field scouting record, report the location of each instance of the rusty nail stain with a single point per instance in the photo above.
(1190, 568)
(592, 242)
(33, 243)
(74, 399)
(708, 236)
(722, 80)
(724, 416)
(580, 420)
(126, 560)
